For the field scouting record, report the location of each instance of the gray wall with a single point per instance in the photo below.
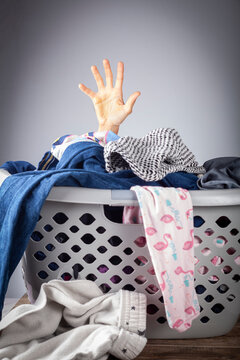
(183, 55)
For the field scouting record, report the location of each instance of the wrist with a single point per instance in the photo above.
(106, 127)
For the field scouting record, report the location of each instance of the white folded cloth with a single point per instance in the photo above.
(74, 320)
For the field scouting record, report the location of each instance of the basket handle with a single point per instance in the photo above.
(223, 197)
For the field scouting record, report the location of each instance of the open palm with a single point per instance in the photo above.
(108, 101)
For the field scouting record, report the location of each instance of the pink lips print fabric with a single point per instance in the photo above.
(167, 216)
(168, 219)
(150, 231)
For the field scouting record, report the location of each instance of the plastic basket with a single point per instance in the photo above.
(74, 239)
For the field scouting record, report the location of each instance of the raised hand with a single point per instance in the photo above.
(108, 101)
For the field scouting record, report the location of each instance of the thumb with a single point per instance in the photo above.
(131, 101)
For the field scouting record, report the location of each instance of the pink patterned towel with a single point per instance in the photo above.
(167, 216)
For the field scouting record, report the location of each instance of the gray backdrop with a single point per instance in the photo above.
(183, 55)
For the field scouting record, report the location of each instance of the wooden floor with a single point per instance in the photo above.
(225, 347)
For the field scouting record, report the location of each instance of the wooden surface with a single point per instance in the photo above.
(225, 347)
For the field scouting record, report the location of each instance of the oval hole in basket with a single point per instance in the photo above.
(74, 229)
(129, 287)
(209, 232)
(198, 221)
(128, 251)
(234, 232)
(203, 270)
(128, 269)
(87, 219)
(66, 276)
(88, 239)
(236, 277)
(231, 251)
(204, 319)
(217, 260)
(223, 221)
(222, 289)
(161, 320)
(213, 279)
(115, 241)
(42, 274)
(161, 299)
(196, 261)
(101, 230)
(209, 298)
(200, 289)
(231, 297)
(151, 271)
(91, 277)
(217, 308)
(89, 258)
(50, 247)
(62, 237)
(115, 260)
(152, 309)
(48, 227)
(105, 288)
(64, 257)
(141, 260)
(75, 248)
(226, 270)
(206, 251)
(53, 266)
(77, 268)
(39, 255)
(140, 279)
(115, 279)
(37, 236)
(60, 218)
(102, 249)
(140, 241)
(220, 241)
(237, 260)
(102, 268)
(151, 289)
(197, 241)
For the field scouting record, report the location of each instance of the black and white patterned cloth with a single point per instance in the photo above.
(151, 157)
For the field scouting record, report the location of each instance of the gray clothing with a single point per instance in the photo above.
(221, 173)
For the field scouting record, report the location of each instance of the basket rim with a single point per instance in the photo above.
(216, 197)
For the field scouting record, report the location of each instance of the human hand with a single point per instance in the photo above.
(108, 101)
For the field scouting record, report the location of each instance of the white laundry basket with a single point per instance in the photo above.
(74, 239)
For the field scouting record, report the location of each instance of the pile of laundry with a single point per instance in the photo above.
(160, 169)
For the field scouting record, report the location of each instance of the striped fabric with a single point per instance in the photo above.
(48, 162)
(151, 157)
